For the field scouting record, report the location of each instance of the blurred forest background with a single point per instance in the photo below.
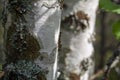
(104, 45)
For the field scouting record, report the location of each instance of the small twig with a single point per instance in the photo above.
(97, 74)
(112, 62)
(1, 74)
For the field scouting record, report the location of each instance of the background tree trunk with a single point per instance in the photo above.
(103, 40)
(77, 35)
(1, 39)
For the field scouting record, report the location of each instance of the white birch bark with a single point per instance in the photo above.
(79, 44)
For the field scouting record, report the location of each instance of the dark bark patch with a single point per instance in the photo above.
(116, 1)
(82, 16)
(75, 23)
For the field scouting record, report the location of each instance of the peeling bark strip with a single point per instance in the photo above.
(31, 39)
(77, 34)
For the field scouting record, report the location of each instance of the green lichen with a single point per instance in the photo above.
(23, 70)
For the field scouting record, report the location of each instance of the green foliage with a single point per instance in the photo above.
(107, 5)
(113, 75)
(116, 29)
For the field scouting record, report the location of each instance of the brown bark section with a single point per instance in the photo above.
(1, 74)
(74, 76)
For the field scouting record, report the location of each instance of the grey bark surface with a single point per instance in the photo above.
(47, 27)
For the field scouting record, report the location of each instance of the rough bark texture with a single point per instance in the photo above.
(77, 35)
(31, 39)
(2, 56)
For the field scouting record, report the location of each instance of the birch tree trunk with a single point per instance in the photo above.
(77, 35)
(31, 39)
